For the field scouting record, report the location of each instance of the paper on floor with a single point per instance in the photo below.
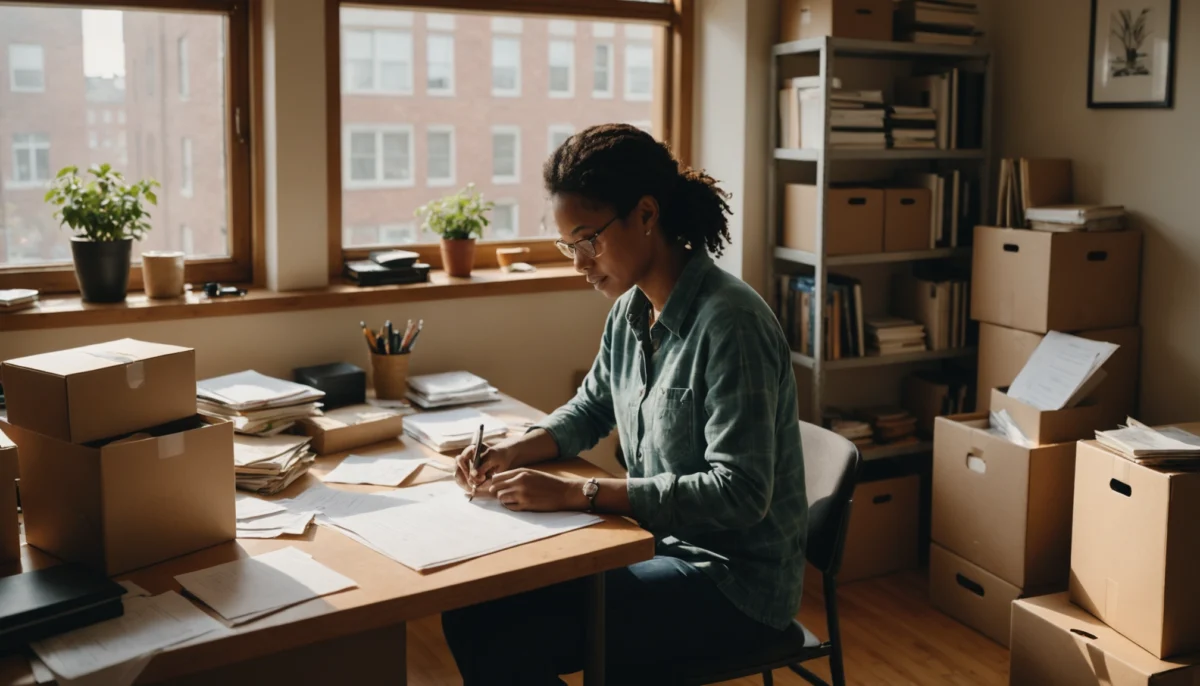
(379, 470)
(249, 507)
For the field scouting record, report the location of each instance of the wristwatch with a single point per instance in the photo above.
(590, 488)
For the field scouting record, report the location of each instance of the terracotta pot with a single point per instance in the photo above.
(458, 256)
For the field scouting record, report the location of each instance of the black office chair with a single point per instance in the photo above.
(831, 466)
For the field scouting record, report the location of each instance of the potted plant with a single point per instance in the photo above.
(459, 219)
(106, 216)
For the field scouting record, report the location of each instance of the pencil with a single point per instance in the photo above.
(476, 460)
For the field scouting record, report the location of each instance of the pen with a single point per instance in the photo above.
(476, 460)
(413, 340)
(408, 332)
(387, 340)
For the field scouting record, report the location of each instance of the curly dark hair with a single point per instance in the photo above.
(617, 164)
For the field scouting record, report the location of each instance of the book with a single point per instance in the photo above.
(1074, 214)
(1106, 224)
(54, 600)
(17, 299)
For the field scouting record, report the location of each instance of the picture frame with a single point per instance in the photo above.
(1131, 64)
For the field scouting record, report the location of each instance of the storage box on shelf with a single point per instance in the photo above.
(869, 19)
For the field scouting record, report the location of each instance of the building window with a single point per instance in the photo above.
(439, 61)
(398, 234)
(602, 70)
(562, 68)
(561, 27)
(185, 174)
(506, 154)
(639, 65)
(559, 133)
(26, 68)
(31, 158)
(185, 86)
(378, 157)
(506, 66)
(439, 143)
(379, 61)
(504, 220)
(507, 25)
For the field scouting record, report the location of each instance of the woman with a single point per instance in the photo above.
(696, 376)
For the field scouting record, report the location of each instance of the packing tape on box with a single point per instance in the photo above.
(135, 371)
(170, 446)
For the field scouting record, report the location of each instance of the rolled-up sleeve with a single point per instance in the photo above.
(588, 417)
(740, 404)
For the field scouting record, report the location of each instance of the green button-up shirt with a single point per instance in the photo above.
(705, 405)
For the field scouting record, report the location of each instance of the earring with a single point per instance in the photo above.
(647, 232)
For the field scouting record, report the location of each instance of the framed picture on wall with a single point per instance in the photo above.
(1132, 64)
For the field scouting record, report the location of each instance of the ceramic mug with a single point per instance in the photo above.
(162, 273)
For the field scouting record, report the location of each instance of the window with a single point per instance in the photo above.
(31, 159)
(562, 68)
(398, 234)
(185, 174)
(506, 154)
(26, 68)
(604, 29)
(439, 141)
(506, 66)
(639, 63)
(439, 60)
(378, 157)
(504, 221)
(559, 133)
(561, 27)
(107, 116)
(379, 61)
(507, 25)
(602, 69)
(185, 86)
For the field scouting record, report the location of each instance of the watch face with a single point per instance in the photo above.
(591, 488)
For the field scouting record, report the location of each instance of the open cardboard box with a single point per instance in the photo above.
(1051, 426)
(354, 426)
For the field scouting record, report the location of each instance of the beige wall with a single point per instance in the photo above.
(1147, 160)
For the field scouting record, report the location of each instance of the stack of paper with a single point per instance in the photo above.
(17, 299)
(1062, 371)
(269, 464)
(895, 336)
(452, 430)
(378, 470)
(257, 404)
(265, 519)
(1167, 447)
(449, 388)
(1060, 218)
(1003, 425)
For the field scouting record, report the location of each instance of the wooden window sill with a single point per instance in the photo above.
(58, 312)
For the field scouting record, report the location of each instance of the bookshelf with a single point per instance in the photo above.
(885, 59)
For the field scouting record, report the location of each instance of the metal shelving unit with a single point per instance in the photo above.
(826, 51)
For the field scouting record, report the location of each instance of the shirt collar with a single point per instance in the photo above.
(679, 304)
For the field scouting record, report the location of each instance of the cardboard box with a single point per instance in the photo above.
(869, 19)
(971, 594)
(882, 534)
(1136, 548)
(129, 503)
(10, 527)
(1003, 352)
(905, 219)
(854, 219)
(100, 391)
(1041, 281)
(351, 427)
(1054, 426)
(1002, 506)
(1054, 642)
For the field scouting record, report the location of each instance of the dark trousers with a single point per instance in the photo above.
(659, 613)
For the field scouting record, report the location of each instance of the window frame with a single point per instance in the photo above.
(441, 182)
(515, 91)
(31, 147)
(243, 113)
(515, 132)
(12, 68)
(449, 90)
(570, 91)
(609, 66)
(377, 88)
(629, 94)
(378, 182)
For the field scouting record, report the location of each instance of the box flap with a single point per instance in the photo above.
(1055, 426)
(92, 357)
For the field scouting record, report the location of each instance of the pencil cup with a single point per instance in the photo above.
(389, 374)
(162, 274)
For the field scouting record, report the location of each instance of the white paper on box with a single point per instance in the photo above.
(1058, 368)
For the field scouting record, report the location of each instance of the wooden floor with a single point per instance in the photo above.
(892, 637)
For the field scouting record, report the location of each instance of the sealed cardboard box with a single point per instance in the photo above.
(854, 219)
(1003, 352)
(869, 19)
(120, 505)
(351, 427)
(905, 219)
(971, 594)
(1055, 642)
(1002, 506)
(100, 391)
(10, 529)
(1054, 426)
(1041, 281)
(1135, 549)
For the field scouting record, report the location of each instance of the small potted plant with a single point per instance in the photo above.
(107, 216)
(459, 219)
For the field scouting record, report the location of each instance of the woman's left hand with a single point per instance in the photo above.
(534, 491)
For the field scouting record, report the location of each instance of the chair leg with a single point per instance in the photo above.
(836, 671)
(768, 679)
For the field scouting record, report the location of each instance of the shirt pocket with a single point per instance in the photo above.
(672, 423)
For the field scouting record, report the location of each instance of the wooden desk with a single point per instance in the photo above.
(327, 638)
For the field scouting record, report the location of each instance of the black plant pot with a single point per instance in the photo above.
(102, 269)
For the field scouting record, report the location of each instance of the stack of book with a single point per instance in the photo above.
(856, 431)
(938, 302)
(791, 96)
(1030, 183)
(453, 430)
(954, 205)
(842, 316)
(912, 127)
(895, 336)
(267, 465)
(939, 22)
(1076, 218)
(955, 95)
(257, 404)
(891, 425)
(449, 389)
(857, 119)
(17, 299)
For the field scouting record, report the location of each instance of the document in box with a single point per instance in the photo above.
(248, 588)
(1060, 366)
(380, 470)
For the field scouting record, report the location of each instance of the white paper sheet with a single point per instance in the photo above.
(379, 470)
(452, 429)
(260, 584)
(248, 450)
(1058, 367)
(249, 507)
(284, 522)
(249, 389)
(149, 625)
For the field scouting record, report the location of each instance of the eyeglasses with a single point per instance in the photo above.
(585, 246)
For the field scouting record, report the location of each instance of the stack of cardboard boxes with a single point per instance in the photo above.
(1002, 512)
(117, 469)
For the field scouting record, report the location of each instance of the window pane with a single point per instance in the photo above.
(639, 61)
(450, 130)
(103, 83)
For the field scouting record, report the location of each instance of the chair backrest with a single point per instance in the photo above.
(831, 464)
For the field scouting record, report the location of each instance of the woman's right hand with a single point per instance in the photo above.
(498, 458)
